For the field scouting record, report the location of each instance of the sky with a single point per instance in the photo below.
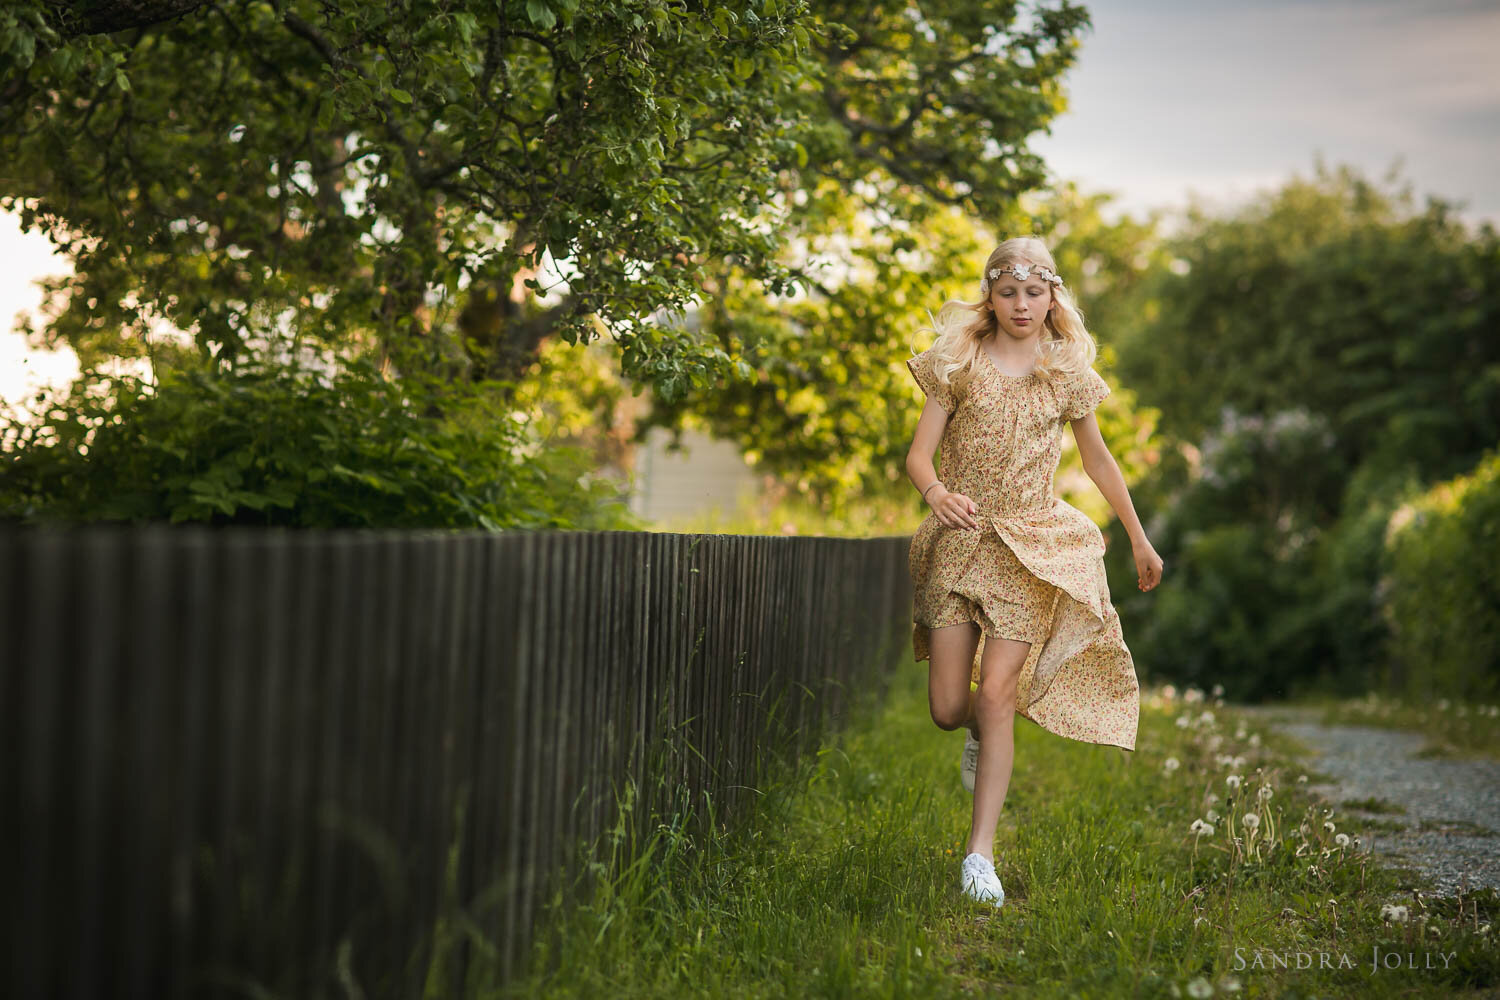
(1172, 99)
(1222, 99)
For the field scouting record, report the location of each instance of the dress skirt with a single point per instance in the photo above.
(997, 593)
(1015, 580)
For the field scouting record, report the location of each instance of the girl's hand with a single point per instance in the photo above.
(1147, 565)
(953, 509)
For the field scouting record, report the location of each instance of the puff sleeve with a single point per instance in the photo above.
(1084, 393)
(921, 370)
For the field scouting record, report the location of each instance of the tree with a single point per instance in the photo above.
(1317, 356)
(379, 170)
(832, 407)
(1336, 297)
(371, 171)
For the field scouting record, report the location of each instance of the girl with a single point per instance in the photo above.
(999, 555)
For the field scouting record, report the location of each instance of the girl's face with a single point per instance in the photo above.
(1020, 306)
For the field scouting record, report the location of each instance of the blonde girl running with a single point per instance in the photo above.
(999, 556)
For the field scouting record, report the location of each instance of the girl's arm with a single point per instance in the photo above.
(953, 509)
(1105, 472)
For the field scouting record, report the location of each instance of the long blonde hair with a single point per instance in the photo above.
(1065, 349)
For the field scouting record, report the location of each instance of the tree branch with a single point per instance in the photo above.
(302, 29)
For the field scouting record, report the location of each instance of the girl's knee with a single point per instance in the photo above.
(996, 698)
(948, 714)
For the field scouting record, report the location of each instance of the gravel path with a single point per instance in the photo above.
(1451, 827)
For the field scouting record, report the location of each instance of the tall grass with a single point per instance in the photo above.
(844, 882)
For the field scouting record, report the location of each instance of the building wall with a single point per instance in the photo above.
(707, 473)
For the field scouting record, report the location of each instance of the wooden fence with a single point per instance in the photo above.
(356, 764)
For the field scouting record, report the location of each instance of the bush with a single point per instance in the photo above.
(264, 444)
(1240, 603)
(1442, 592)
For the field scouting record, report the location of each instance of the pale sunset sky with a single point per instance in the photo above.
(1178, 98)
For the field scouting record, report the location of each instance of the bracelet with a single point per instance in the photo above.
(935, 482)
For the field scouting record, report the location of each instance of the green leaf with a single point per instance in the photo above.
(401, 95)
(540, 14)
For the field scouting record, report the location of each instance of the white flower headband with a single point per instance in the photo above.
(1021, 271)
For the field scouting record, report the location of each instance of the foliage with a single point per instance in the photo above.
(1316, 357)
(832, 408)
(1336, 297)
(373, 171)
(265, 444)
(1442, 597)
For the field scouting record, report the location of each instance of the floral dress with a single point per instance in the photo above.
(1034, 569)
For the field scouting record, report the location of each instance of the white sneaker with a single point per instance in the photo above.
(968, 764)
(980, 883)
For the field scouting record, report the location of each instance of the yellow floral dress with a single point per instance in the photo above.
(1034, 569)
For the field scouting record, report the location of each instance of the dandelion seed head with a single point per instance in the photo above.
(1199, 989)
(1251, 821)
(1342, 840)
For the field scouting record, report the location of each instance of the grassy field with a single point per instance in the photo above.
(845, 883)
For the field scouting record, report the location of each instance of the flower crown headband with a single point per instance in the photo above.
(1021, 271)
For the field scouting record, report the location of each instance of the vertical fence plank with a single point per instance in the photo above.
(95, 732)
(495, 673)
(525, 551)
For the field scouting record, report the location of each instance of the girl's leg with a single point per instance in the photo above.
(950, 660)
(995, 710)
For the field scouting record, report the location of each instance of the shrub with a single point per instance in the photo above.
(1442, 592)
(264, 444)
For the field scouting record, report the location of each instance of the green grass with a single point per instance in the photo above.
(1456, 729)
(845, 882)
